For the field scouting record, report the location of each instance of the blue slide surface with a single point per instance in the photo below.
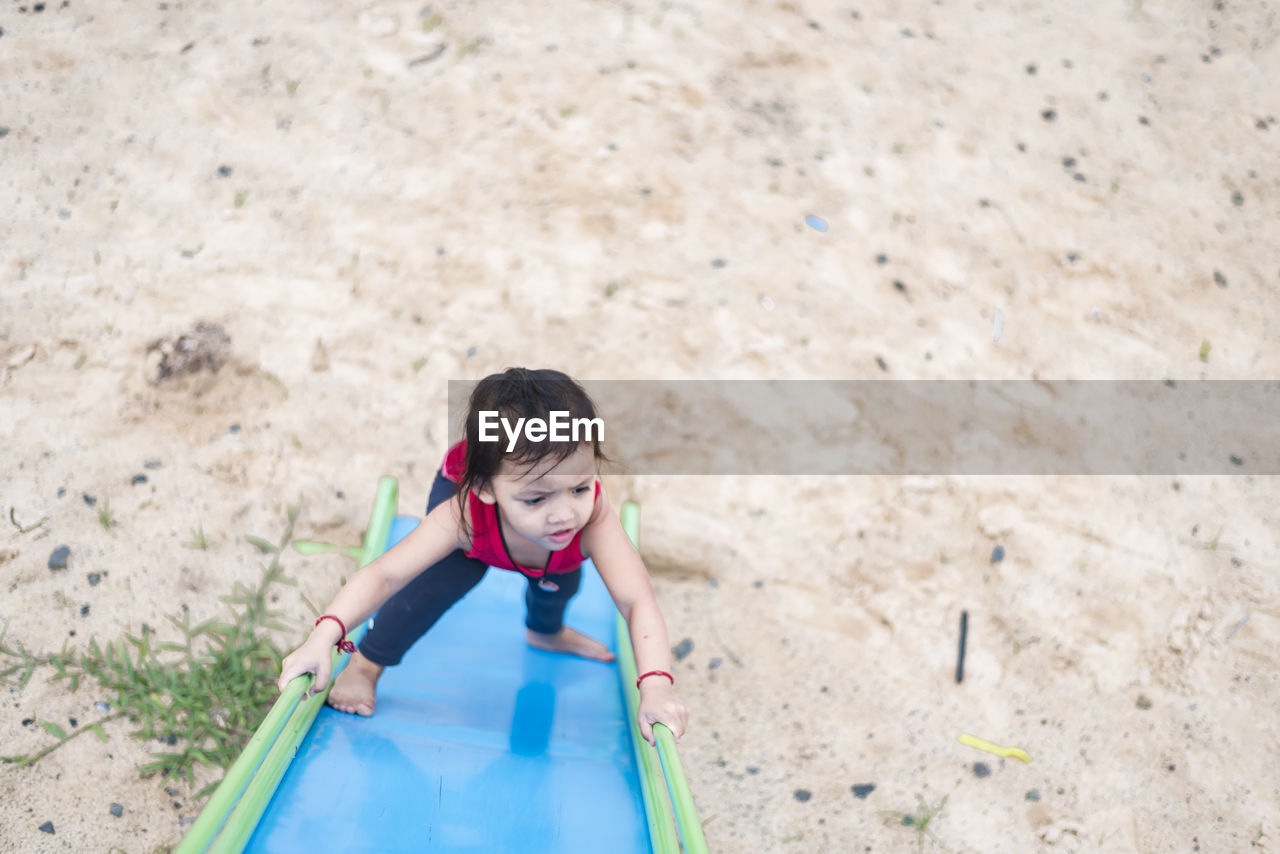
(479, 743)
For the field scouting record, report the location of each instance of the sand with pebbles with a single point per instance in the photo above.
(374, 199)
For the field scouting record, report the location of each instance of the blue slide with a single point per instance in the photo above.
(479, 743)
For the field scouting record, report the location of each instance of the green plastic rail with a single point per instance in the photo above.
(662, 779)
(228, 820)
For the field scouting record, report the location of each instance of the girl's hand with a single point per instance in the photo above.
(314, 656)
(659, 704)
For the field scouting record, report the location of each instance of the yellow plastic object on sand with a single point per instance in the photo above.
(981, 744)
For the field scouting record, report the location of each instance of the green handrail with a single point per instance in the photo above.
(659, 798)
(242, 796)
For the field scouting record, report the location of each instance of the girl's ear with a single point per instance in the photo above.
(485, 494)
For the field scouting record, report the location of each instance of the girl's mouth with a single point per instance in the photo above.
(561, 536)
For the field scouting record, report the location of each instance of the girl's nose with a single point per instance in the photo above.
(559, 512)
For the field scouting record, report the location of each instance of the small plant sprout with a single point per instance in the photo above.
(919, 821)
(105, 518)
(199, 541)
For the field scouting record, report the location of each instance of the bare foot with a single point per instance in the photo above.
(355, 691)
(572, 642)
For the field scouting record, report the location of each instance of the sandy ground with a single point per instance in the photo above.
(374, 199)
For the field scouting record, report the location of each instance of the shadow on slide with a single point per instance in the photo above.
(479, 743)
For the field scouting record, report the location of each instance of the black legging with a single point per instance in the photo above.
(411, 612)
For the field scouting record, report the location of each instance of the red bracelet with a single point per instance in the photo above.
(343, 644)
(654, 673)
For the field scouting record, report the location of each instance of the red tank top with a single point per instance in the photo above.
(487, 542)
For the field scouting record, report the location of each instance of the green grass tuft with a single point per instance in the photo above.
(918, 821)
(203, 695)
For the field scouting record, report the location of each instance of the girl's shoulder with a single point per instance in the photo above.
(455, 516)
(601, 515)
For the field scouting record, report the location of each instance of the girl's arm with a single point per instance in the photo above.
(624, 574)
(436, 536)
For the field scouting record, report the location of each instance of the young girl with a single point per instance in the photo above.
(537, 509)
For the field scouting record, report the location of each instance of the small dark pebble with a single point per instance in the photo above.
(84, 610)
(997, 554)
(753, 770)
(814, 25)
(908, 820)
(907, 33)
(802, 795)
(855, 14)
(899, 286)
(1031, 69)
(1260, 124)
(39, 7)
(58, 560)
(1142, 120)
(47, 827)
(28, 721)
(171, 792)
(1235, 561)
(861, 790)
(1068, 162)
(62, 491)
(1073, 257)
(881, 362)
(94, 578)
(1237, 198)
(1236, 461)
(177, 806)
(139, 478)
(718, 263)
(758, 584)
(1033, 795)
(102, 706)
(682, 649)
(1143, 702)
(224, 171)
(152, 464)
(117, 810)
(713, 582)
(1219, 279)
(234, 428)
(1079, 176)
(1173, 767)
(89, 499)
(980, 769)
(171, 740)
(74, 723)
(471, 351)
(340, 494)
(1049, 115)
(882, 258)
(714, 663)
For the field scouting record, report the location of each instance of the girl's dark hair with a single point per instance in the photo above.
(514, 394)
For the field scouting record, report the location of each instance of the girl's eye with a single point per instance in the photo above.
(580, 489)
(532, 502)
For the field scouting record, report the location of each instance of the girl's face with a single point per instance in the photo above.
(548, 504)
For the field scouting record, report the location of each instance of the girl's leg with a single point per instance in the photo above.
(544, 609)
(415, 608)
(545, 619)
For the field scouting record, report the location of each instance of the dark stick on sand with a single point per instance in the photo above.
(964, 630)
